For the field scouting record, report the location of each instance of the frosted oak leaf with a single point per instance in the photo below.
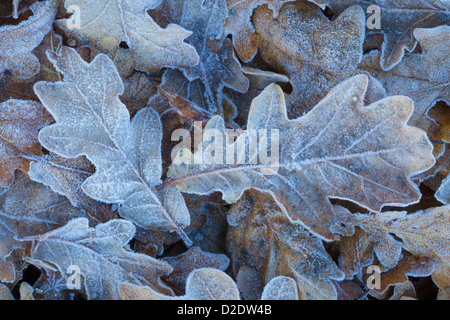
(424, 233)
(261, 236)
(17, 41)
(398, 20)
(239, 25)
(106, 23)
(425, 77)
(101, 255)
(92, 121)
(314, 52)
(340, 149)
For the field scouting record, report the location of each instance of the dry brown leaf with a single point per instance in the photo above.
(423, 233)
(356, 252)
(370, 164)
(105, 24)
(201, 284)
(7, 271)
(15, 88)
(409, 265)
(261, 236)
(239, 25)
(425, 77)
(398, 21)
(314, 52)
(20, 122)
(349, 290)
(404, 291)
(17, 41)
(139, 87)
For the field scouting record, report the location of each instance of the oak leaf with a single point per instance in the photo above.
(218, 66)
(201, 284)
(398, 21)
(423, 233)
(5, 294)
(42, 211)
(408, 265)
(17, 41)
(105, 24)
(238, 24)
(20, 122)
(101, 254)
(370, 163)
(261, 236)
(424, 77)
(250, 283)
(92, 121)
(314, 52)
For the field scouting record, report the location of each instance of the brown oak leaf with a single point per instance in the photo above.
(314, 52)
(20, 122)
(261, 236)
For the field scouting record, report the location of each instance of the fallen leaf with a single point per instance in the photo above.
(408, 265)
(92, 121)
(202, 284)
(349, 290)
(404, 291)
(66, 176)
(238, 24)
(423, 233)
(218, 67)
(194, 258)
(398, 21)
(42, 211)
(314, 52)
(17, 41)
(422, 77)
(280, 288)
(356, 252)
(105, 24)
(261, 236)
(250, 283)
(258, 81)
(14, 88)
(20, 122)
(370, 164)
(101, 255)
(5, 294)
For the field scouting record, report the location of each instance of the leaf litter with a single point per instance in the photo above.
(95, 176)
